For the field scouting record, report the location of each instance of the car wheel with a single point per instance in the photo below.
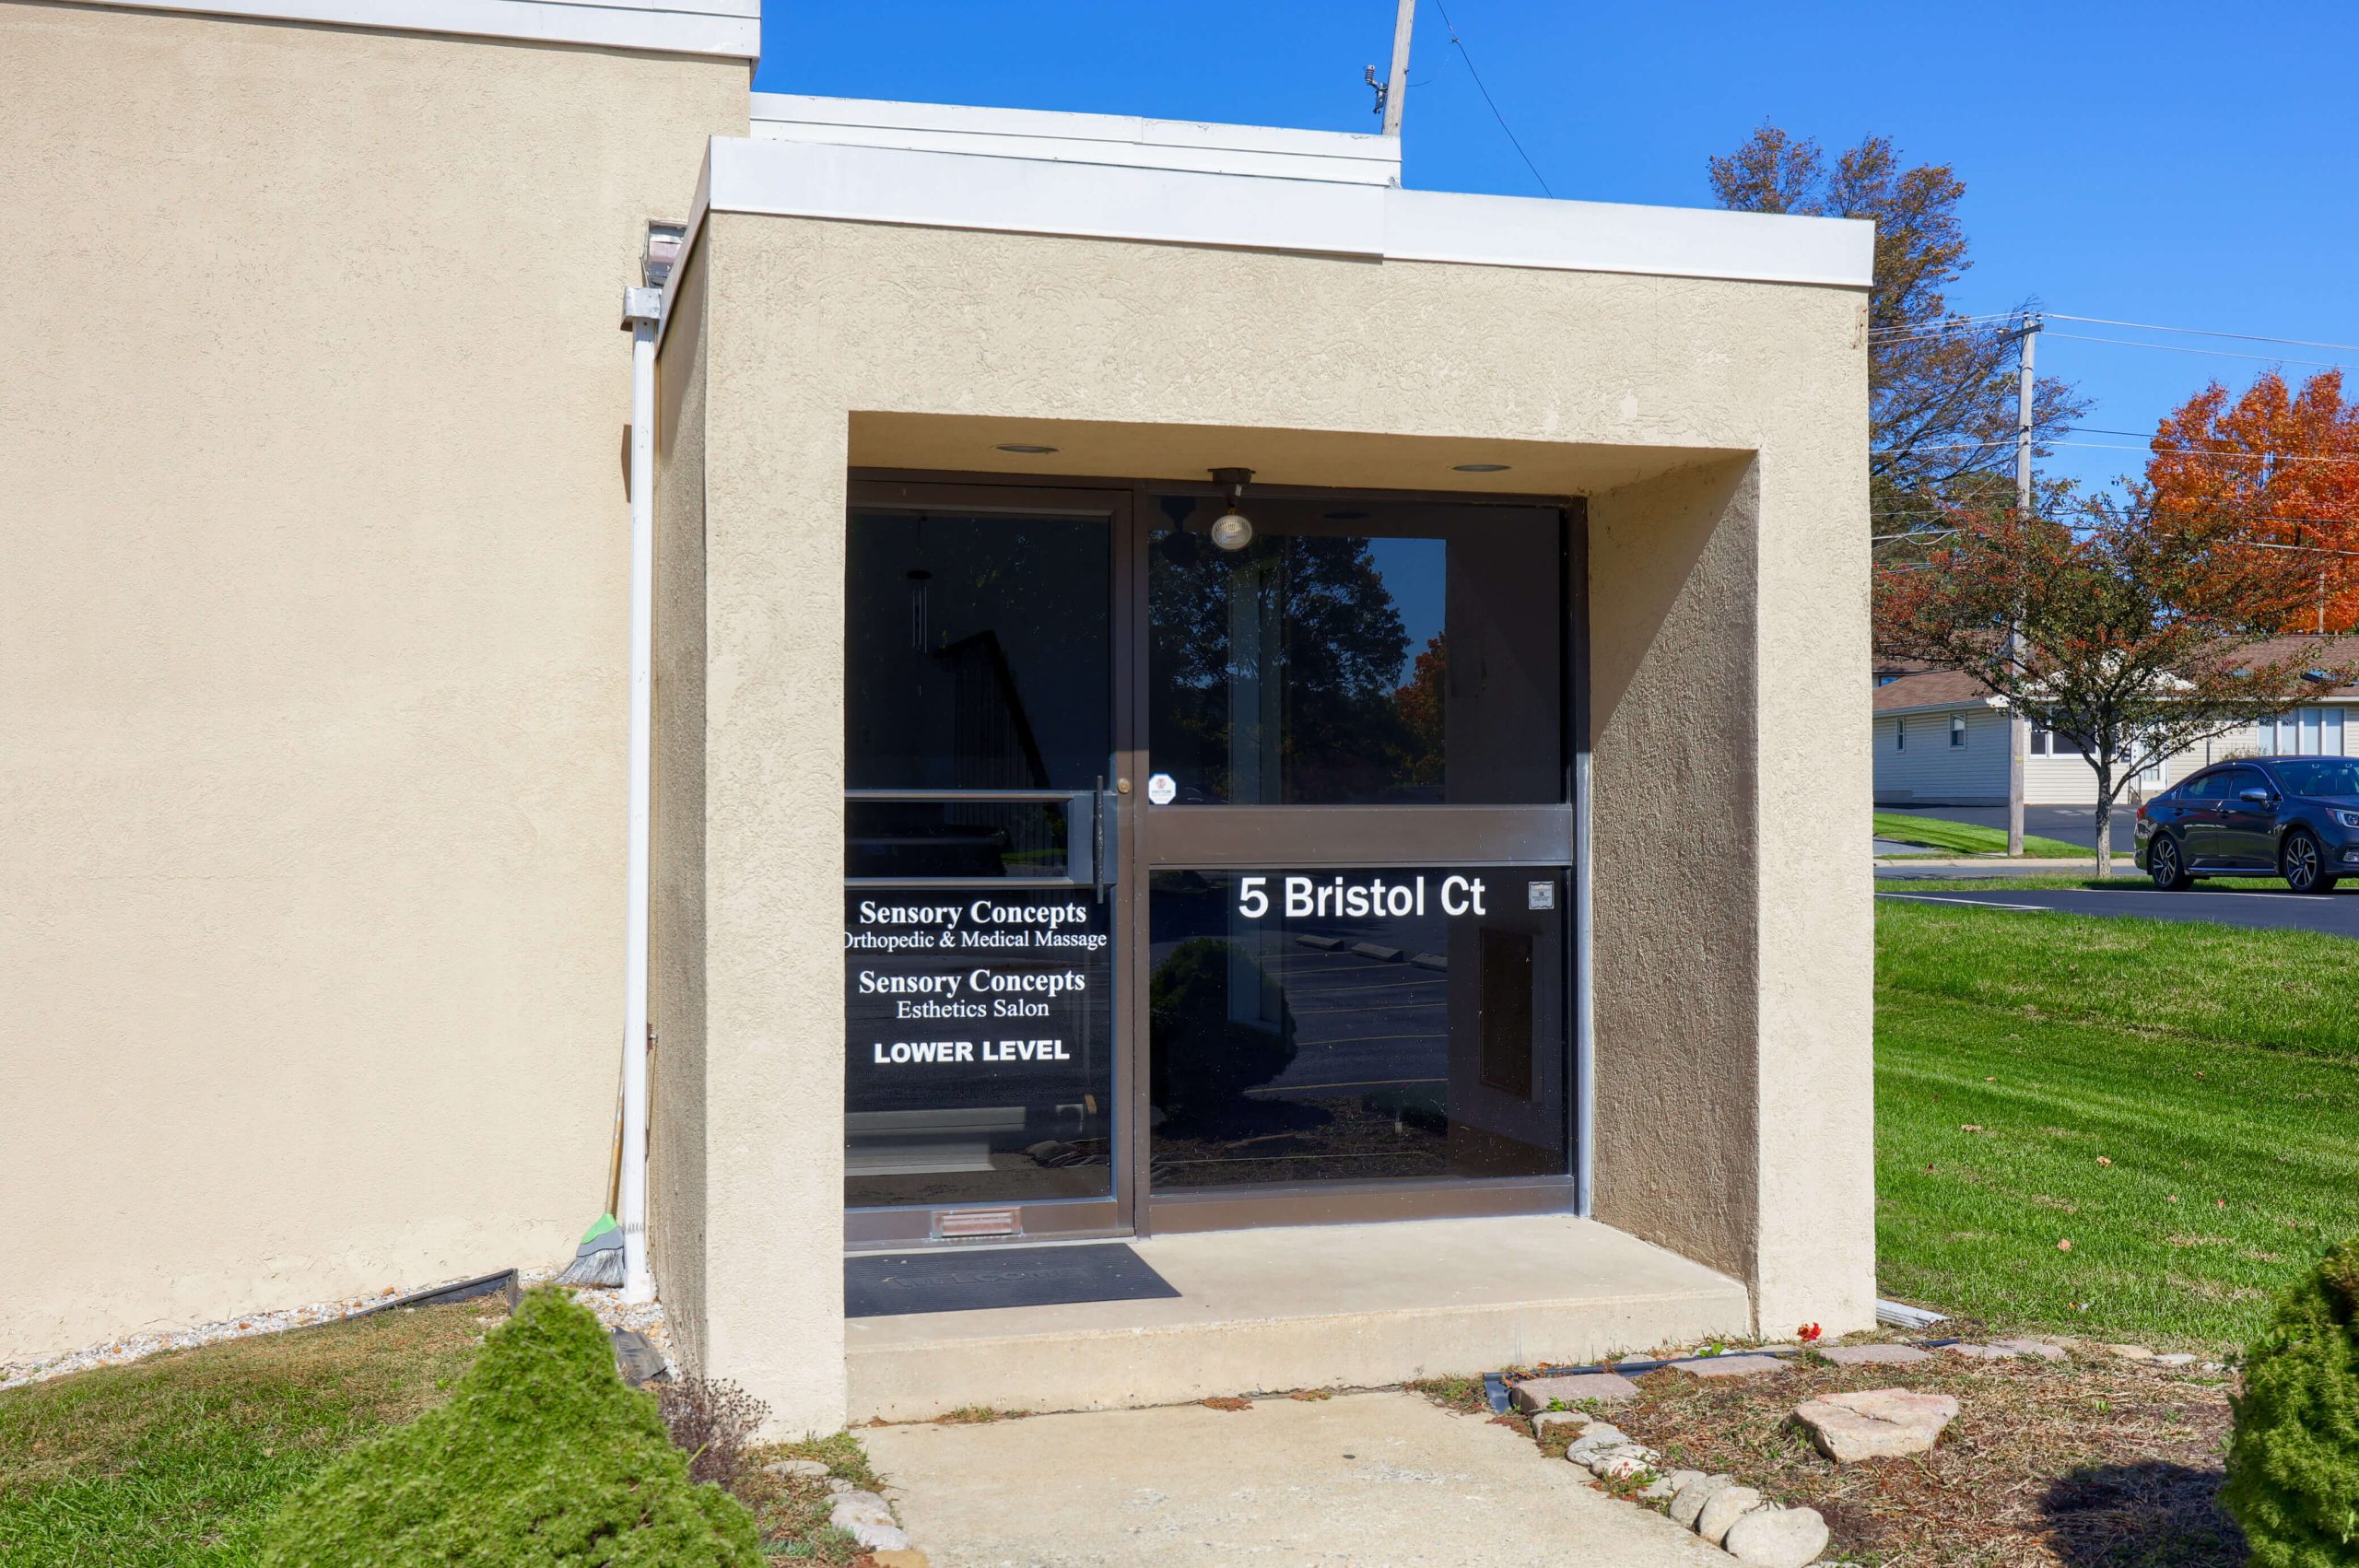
(2302, 864)
(2165, 866)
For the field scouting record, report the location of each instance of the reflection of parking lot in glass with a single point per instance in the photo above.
(1318, 1049)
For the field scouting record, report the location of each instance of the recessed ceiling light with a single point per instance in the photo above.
(1478, 468)
(1023, 449)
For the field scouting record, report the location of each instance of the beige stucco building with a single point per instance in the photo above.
(1418, 964)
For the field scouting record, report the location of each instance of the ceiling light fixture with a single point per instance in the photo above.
(1233, 530)
(1022, 448)
(1478, 468)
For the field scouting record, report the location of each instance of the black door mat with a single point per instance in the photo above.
(889, 1286)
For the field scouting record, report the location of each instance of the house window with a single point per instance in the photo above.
(1900, 734)
(1957, 729)
(2048, 743)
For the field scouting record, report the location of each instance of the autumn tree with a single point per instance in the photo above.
(2135, 628)
(2282, 463)
(1941, 386)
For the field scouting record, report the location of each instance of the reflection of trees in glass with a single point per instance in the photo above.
(1331, 643)
(1419, 705)
(1200, 1059)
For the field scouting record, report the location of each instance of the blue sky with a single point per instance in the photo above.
(2161, 163)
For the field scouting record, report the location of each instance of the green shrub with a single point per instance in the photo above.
(2294, 1463)
(541, 1460)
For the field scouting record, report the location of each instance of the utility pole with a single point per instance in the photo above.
(2018, 725)
(1396, 86)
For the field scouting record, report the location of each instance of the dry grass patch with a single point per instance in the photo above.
(2094, 1461)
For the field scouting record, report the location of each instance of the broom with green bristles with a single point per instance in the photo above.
(599, 1259)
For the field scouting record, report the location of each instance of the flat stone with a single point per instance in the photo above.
(2131, 1352)
(2175, 1357)
(869, 1520)
(1539, 1393)
(1980, 1353)
(1601, 1435)
(1728, 1505)
(1731, 1366)
(1874, 1355)
(810, 1468)
(2040, 1348)
(1546, 1423)
(1621, 1464)
(1687, 1502)
(1777, 1538)
(1878, 1423)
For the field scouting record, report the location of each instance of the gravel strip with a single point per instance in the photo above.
(647, 1318)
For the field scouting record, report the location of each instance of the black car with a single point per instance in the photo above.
(2292, 816)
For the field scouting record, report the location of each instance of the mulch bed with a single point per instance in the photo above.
(2095, 1460)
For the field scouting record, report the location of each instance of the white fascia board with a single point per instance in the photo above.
(727, 29)
(1530, 231)
(1035, 196)
(1259, 211)
(1055, 137)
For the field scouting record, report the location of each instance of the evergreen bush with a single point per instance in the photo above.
(2294, 1462)
(541, 1458)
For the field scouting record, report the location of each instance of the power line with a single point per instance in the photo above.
(2204, 332)
(1451, 28)
(2192, 348)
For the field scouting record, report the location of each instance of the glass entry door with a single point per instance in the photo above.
(1353, 983)
(981, 861)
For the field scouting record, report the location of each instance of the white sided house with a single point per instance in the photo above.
(1940, 738)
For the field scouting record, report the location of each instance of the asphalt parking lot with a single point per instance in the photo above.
(2336, 913)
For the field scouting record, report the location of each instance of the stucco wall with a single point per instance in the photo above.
(1672, 632)
(312, 604)
(677, 1158)
(1315, 370)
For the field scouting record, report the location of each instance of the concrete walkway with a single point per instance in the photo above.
(1371, 1480)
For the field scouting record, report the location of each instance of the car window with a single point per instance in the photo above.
(2236, 780)
(2320, 776)
(2205, 787)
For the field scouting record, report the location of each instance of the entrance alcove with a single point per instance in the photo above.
(1696, 1087)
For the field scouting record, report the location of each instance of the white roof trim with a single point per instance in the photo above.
(1122, 140)
(729, 28)
(1960, 703)
(1257, 211)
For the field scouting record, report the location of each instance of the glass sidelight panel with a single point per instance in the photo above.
(978, 653)
(980, 1045)
(1329, 1025)
(1392, 655)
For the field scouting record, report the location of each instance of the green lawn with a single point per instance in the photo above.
(180, 1458)
(2177, 1100)
(1961, 839)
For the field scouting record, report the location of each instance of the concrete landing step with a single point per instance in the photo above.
(1307, 1307)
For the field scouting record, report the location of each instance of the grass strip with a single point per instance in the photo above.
(180, 1458)
(1963, 838)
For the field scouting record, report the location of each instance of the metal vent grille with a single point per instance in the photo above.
(951, 1224)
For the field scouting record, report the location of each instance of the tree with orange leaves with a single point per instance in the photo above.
(2281, 465)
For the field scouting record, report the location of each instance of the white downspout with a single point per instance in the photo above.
(641, 310)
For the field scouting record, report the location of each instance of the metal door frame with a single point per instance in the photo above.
(1343, 837)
